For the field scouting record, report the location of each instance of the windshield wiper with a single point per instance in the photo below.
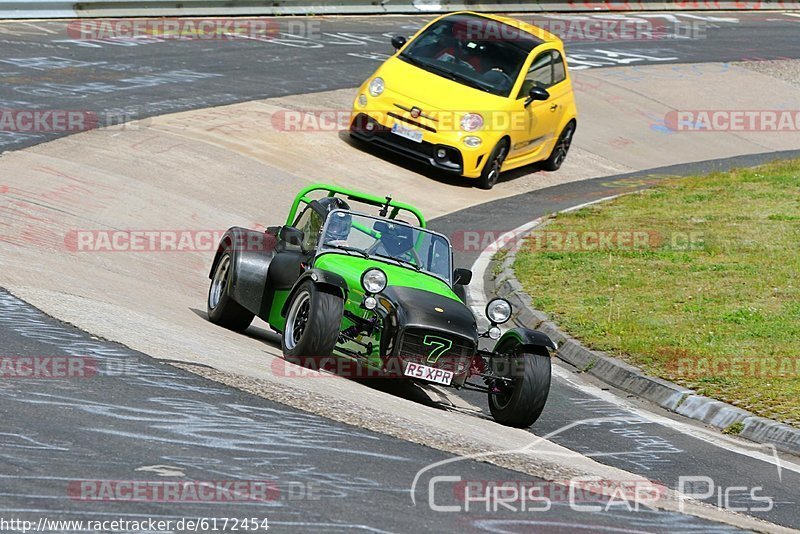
(456, 77)
(469, 81)
(401, 260)
(429, 66)
(348, 248)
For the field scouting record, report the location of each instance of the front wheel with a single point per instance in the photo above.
(560, 150)
(312, 323)
(493, 166)
(221, 308)
(519, 402)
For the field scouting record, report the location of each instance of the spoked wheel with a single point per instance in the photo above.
(559, 154)
(519, 401)
(221, 308)
(491, 171)
(297, 319)
(312, 323)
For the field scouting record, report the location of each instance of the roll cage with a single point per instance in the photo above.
(388, 208)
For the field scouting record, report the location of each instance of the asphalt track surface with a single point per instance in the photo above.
(110, 436)
(139, 419)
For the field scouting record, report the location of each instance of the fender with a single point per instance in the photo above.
(524, 338)
(327, 281)
(251, 254)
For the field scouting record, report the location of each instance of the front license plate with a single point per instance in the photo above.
(414, 135)
(432, 374)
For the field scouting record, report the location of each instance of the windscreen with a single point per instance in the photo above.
(389, 241)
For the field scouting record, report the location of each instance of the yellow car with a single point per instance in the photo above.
(472, 94)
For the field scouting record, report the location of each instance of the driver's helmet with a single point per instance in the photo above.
(340, 223)
(397, 239)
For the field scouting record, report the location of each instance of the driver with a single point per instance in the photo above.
(339, 226)
(398, 242)
(454, 49)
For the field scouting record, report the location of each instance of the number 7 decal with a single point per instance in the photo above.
(440, 346)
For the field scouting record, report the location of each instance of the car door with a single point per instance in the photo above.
(541, 118)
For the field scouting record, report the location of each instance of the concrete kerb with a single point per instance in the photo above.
(626, 377)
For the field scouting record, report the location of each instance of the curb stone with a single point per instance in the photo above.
(626, 377)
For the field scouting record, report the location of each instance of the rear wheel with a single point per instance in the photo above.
(519, 401)
(560, 150)
(312, 323)
(221, 308)
(491, 171)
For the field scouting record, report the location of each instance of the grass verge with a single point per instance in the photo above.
(696, 280)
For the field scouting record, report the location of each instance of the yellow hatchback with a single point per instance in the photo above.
(471, 94)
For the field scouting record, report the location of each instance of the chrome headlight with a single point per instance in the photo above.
(471, 122)
(498, 311)
(377, 86)
(373, 281)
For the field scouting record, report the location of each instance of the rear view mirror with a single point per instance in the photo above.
(536, 93)
(398, 42)
(462, 277)
(291, 235)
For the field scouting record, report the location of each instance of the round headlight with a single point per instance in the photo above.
(373, 281)
(376, 87)
(498, 311)
(471, 122)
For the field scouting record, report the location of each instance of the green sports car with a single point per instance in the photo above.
(371, 285)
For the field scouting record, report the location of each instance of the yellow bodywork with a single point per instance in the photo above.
(531, 130)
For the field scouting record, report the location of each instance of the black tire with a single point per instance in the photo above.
(491, 170)
(520, 403)
(312, 324)
(221, 308)
(561, 148)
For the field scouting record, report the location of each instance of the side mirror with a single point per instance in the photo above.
(536, 93)
(462, 277)
(291, 235)
(398, 42)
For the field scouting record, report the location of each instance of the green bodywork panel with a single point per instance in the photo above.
(276, 320)
(352, 267)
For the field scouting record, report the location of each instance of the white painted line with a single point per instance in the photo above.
(715, 438)
(477, 298)
(476, 292)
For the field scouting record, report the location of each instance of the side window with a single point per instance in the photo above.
(559, 69)
(310, 222)
(546, 70)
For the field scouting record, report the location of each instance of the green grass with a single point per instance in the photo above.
(709, 299)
